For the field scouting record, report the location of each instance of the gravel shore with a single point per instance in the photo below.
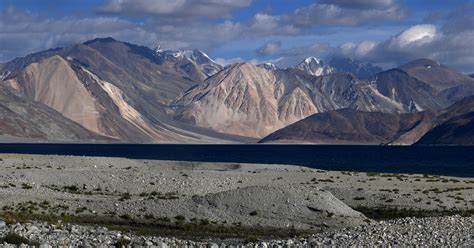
(225, 202)
(450, 231)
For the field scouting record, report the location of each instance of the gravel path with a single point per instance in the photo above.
(450, 231)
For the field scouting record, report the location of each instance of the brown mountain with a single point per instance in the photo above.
(114, 89)
(348, 126)
(454, 126)
(246, 100)
(131, 93)
(34, 121)
(437, 75)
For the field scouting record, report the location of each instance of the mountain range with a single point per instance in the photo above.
(105, 90)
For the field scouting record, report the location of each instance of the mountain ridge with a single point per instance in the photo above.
(136, 94)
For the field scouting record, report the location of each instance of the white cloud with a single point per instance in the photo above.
(419, 35)
(420, 41)
(269, 48)
(362, 3)
(22, 33)
(224, 61)
(346, 13)
(182, 9)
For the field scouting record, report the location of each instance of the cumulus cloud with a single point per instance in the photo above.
(358, 50)
(22, 33)
(419, 41)
(264, 24)
(224, 61)
(185, 9)
(346, 12)
(419, 34)
(269, 48)
(208, 24)
(360, 4)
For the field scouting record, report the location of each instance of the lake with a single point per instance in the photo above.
(436, 160)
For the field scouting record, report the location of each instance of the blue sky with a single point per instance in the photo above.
(386, 32)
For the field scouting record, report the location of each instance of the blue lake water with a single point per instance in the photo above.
(437, 160)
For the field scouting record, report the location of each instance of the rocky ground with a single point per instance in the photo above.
(449, 231)
(219, 201)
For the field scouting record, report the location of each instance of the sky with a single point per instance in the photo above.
(385, 32)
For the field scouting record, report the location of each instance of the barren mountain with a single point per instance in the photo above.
(238, 100)
(454, 126)
(437, 75)
(136, 94)
(360, 69)
(348, 126)
(20, 118)
(112, 88)
(247, 100)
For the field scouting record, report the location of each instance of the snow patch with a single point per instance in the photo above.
(4, 75)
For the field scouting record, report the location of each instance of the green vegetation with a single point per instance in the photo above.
(159, 195)
(125, 196)
(15, 239)
(326, 180)
(122, 243)
(26, 186)
(196, 229)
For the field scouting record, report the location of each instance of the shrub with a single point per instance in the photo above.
(180, 218)
(253, 213)
(15, 239)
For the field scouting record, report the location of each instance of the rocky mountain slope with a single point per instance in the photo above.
(195, 63)
(247, 100)
(454, 126)
(437, 75)
(136, 94)
(34, 121)
(360, 69)
(112, 88)
(348, 126)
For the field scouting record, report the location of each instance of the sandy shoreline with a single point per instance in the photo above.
(219, 194)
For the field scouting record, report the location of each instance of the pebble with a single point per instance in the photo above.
(452, 231)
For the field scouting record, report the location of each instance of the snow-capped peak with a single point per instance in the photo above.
(268, 66)
(157, 49)
(310, 60)
(196, 56)
(315, 66)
